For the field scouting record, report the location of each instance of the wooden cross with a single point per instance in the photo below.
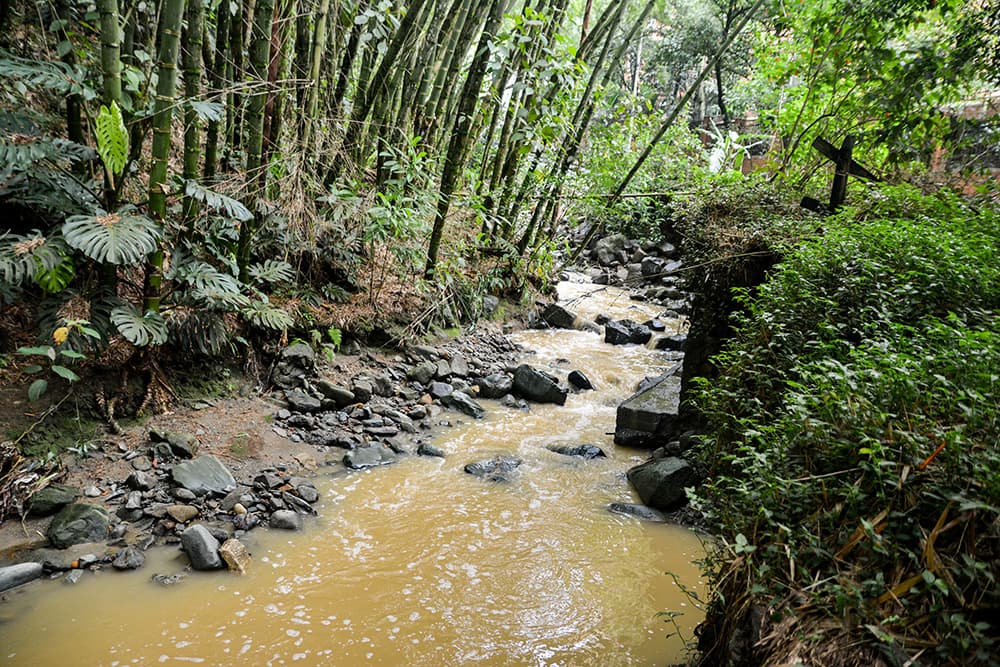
(846, 166)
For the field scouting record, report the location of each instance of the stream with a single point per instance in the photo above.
(418, 563)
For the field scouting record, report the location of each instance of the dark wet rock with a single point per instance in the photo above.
(465, 404)
(430, 450)
(363, 389)
(651, 267)
(285, 520)
(539, 386)
(76, 523)
(440, 389)
(579, 380)
(610, 250)
(16, 575)
(638, 511)
(513, 402)
(267, 480)
(558, 317)
(129, 558)
(51, 499)
(201, 547)
(655, 325)
(182, 445)
(400, 419)
(341, 396)
(133, 501)
(646, 416)
(498, 469)
(423, 372)
(297, 504)
(422, 352)
(622, 332)
(459, 366)
(205, 474)
(384, 431)
(182, 494)
(417, 412)
(295, 363)
(495, 385)
(581, 451)
(660, 483)
(443, 370)
(307, 492)
(300, 401)
(140, 481)
(676, 343)
(369, 457)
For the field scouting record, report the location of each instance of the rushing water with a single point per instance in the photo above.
(418, 563)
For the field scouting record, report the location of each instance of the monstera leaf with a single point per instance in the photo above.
(22, 258)
(233, 208)
(272, 271)
(140, 329)
(114, 238)
(263, 314)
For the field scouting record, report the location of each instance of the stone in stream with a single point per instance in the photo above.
(558, 317)
(369, 457)
(660, 483)
(168, 579)
(129, 558)
(285, 520)
(496, 385)
(236, 555)
(579, 380)
(462, 402)
(676, 343)
(203, 475)
(51, 499)
(440, 389)
(76, 523)
(581, 451)
(623, 332)
(500, 468)
(201, 548)
(647, 416)
(539, 386)
(16, 575)
(429, 450)
(638, 511)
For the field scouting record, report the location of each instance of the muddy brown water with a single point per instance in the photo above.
(418, 563)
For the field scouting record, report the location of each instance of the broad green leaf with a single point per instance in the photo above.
(72, 354)
(112, 238)
(112, 139)
(42, 350)
(36, 389)
(66, 373)
(220, 202)
(140, 329)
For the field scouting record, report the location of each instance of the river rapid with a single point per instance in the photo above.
(418, 563)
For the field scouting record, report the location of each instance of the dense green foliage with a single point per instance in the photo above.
(854, 424)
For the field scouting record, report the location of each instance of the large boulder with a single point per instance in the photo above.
(51, 499)
(610, 250)
(539, 386)
(647, 416)
(203, 475)
(558, 317)
(22, 573)
(340, 395)
(498, 469)
(294, 365)
(201, 548)
(76, 523)
(622, 332)
(661, 482)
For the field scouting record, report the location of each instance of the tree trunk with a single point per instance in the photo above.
(216, 81)
(111, 38)
(260, 49)
(192, 91)
(166, 87)
(320, 34)
(460, 137)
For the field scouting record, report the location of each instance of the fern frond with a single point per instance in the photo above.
(113, 238)
(231, 207)
(140, 329)
(272, 271)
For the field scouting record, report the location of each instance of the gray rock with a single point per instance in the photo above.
(129, 558)
(369, 457)
(610, 250)
(168, 579)
(496, 385)
(652, 266)
(142, 463)
(300, 401)
(676, 343)
(341, 396)
(638, 511)
(660, 483)
(490, 304)
(51, 499)
(622, 332)
(558, 317)
(182, 445)
(440, 389)
(459, 366)
(363, 389)
(134, 500)
(307, 493)
(647, 416)
(205, 474)
(500, 468)
(16, 575)
(295, 363)
(423, 372)
(538, 386)
(73, 576)
(581, 451)
(579, 380)
(201, 548)
(430, 450)
(422, 352)
(76, 523)
(140, 481)
(443, 369)
(465, 404)
(285, 520)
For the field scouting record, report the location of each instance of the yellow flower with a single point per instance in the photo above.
(60, 334)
